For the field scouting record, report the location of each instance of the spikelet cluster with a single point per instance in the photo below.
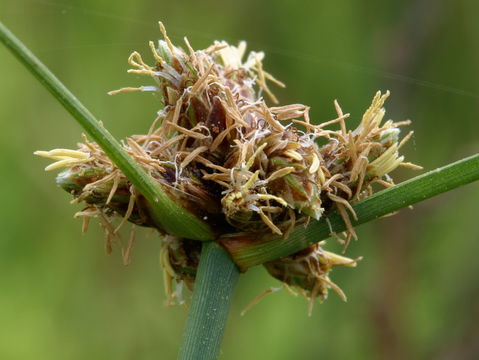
(308, 271)
(223, 154)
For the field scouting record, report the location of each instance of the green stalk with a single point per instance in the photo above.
(214, 287)
(174, 219)
(246, 252)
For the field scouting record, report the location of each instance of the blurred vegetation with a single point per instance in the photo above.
(415, 295)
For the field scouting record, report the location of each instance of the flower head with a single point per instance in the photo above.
(220, 151)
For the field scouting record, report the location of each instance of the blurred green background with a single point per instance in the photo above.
(415, 295)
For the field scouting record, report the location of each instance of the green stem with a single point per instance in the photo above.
(246, 252)
(173, 218)
(214, 287)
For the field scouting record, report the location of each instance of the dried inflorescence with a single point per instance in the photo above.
(223, 154)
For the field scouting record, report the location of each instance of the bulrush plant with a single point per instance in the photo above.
(231, 182)
(217, 149)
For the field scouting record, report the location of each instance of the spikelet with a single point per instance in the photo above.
(308, 271)
(179, 260)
